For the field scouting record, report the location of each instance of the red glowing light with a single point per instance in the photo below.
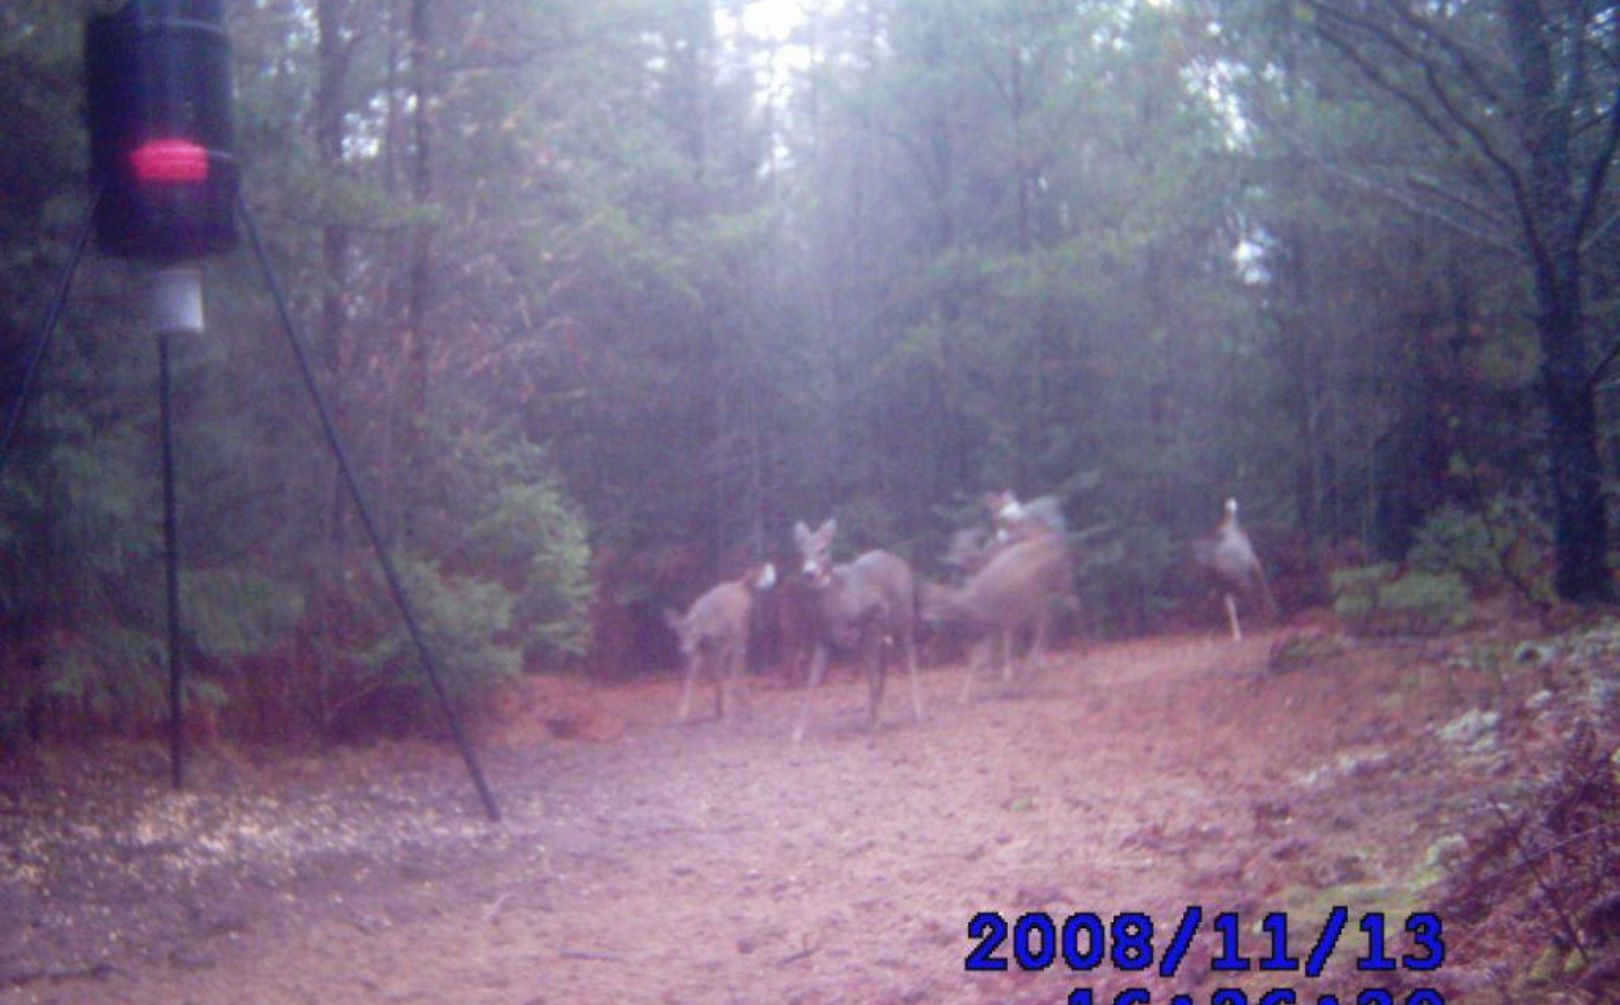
(169, 162)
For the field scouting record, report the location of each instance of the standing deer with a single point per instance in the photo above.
(861, 606)
(714, 633)
(1229, 555)
(1011, 593)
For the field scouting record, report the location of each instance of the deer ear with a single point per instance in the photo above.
(766, 577)
(801, 533)
(828, 529)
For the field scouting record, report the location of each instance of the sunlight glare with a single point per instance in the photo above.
(773, 19)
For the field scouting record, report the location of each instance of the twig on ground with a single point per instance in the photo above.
(494, 912)
(99, 970)
(591, 954)
(806, 949)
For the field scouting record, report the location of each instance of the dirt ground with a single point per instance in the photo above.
(715, 862)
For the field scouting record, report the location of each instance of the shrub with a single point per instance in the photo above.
(1422, 603)
(498, 572)
(537, 544)
(1506, 546)
(1455, 540)
(1374, 600)
(1355, 592)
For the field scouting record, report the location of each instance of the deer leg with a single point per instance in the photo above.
(1231, 616)
(910, 640)
(976, 660)
(818, 666)
(739, 683)
(686, 695)
(876, 668)
(722, 681)
(1037, 645)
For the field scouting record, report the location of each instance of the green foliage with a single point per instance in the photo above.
(108, 674)
(1454, 540)
(232, 614)
(540, 543)
(1425, 604)
(1355, 590)
(499, 579)
(1374, 600)
(596, 315)
(511, 522)
(463, 620)
(113, 672)
(1508, 546)
(1122, 578)
(371, 677)
(80, 572)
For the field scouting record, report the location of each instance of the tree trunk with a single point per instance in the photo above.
(1554, 227)
(407, 404)
(329, 112)
(1580, 527)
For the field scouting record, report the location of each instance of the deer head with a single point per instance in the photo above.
(816, 549)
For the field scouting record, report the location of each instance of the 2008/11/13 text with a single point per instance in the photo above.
(1127, 943)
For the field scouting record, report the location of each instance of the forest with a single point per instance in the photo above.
(608, 294)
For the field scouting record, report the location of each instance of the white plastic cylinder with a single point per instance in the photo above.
(177, 304)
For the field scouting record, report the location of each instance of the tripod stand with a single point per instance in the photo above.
(177, 303)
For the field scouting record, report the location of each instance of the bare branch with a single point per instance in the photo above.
(1597, 175)
(1486, 214)
(1370, 68)
(1480, 79)
(1376, 75)
(1427, 209)
(1510, 172)
(1477, 138)
(1602, 367)
(1600, 232)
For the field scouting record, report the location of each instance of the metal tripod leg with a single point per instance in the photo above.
(353, 485)
(171, 568)
(14, 417)
(43, 339)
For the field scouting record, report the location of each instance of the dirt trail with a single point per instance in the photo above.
(717, 863)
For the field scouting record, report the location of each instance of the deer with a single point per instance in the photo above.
(1012, 592)
(1014, 520)
(862, 607)
(970, 549)
(791, 627)
(1229, 556)
(713, 634)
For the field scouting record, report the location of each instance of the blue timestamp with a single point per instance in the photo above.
(1131, 943)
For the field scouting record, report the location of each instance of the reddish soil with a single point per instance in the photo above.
(644, 861)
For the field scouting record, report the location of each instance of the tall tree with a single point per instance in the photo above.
(1522, 104)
